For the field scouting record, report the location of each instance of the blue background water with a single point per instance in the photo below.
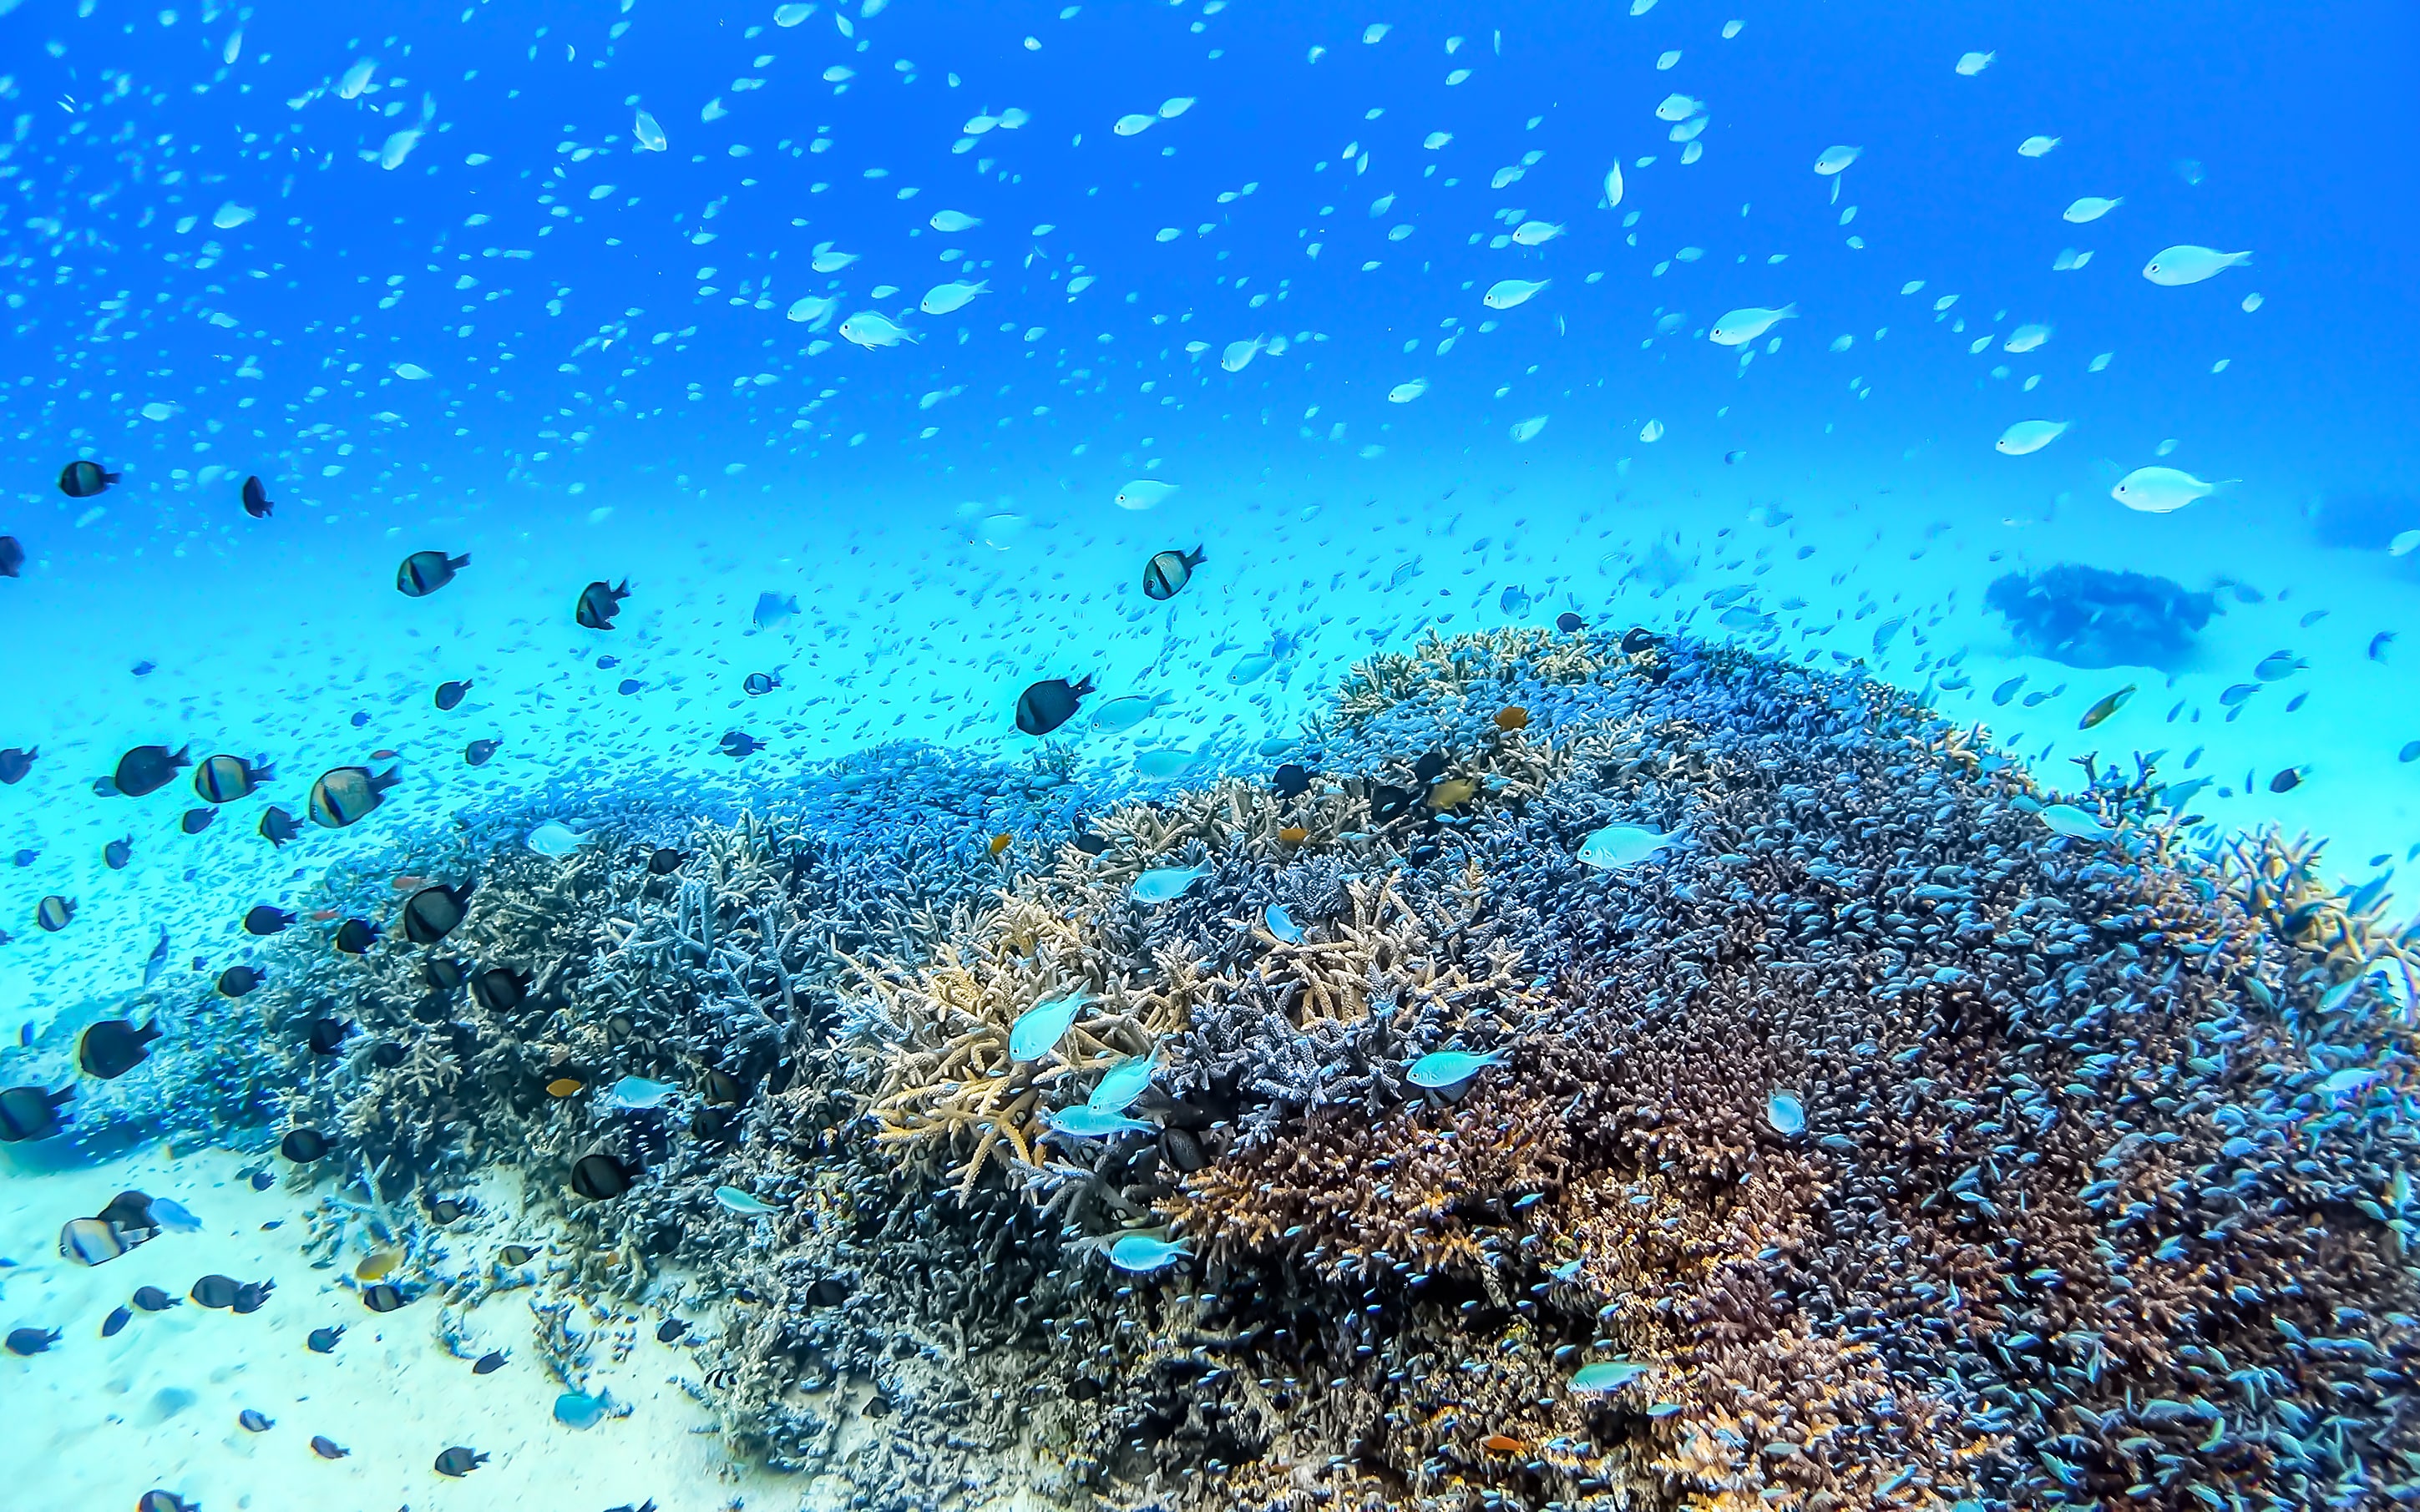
(943, 510)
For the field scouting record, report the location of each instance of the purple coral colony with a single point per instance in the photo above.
(1600, 1072)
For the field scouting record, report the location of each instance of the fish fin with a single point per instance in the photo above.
(460, 562)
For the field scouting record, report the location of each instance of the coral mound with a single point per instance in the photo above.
(2090, 617)
(1827, 1132)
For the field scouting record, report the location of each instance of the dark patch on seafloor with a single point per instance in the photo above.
(2092, 617)
(2098, 1200)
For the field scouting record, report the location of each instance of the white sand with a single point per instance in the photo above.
(94, 1423)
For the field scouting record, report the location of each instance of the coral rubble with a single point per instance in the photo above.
(1870, 1143)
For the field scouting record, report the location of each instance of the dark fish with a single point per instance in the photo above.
(1429, 767)
(118, 853)
(118, 1318)
(1636, 639)
(226, 778)
(449, 694)
(1165, 574)
(478, 751)
(516, 1254)
(302, 1146)
(156, 1500)
(31, 1340)
(489, 1363)
(458, 1461)
(355, 937)
(606, 664)
(83, 479)
(13, 556)
(445, 1209)
(383, 1298)
(1292, 781)
(194, 820)
(2286, 781)
(432, 913)
(324, 1340)
(112, 1047)
(130, 1212)
(347, 795)
(1046, 706)
(53, 912)
(328, 1448)
(237, 980)
(630, 686)
(26, 858)
(721, 1087)
(598, 604)
(144, 667)
(216, 1290)
(1569, 622)
(266, 921)
(649, 1506)
(249, 1296)
(153, 1300)
(738, 743)
(15, 763)
(669, 1330)
(31, 1113)
(1090, 843)
(327, 1035)
(146, 769)
(500, 989)
(255, 499)
(665, 861)
(1388, 803)
(425, 572)
(2106, 707)
(359, 721)
(261, 1181)
(386, 1054)
(277, 826)
(254, 1420)
(2378, 644)
(756, 685)
(599, 1177)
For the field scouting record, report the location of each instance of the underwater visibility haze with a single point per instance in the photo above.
(915, 755)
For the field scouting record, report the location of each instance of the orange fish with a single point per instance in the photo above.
(1497, 1443)
(1294, 834)
(410, 884)
(564, 1087)
(382, 755)
(323, 915)
(1512, 717)
(1001, 842)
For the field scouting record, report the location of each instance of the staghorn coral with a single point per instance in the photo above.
(2097, 1201)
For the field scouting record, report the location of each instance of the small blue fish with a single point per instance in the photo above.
(1085, 1122)
(1037, 1030)
(1140, 1253)
(2068, 820)
(1450, 1068)
(580, 1410)
(1607, 1375)
(172, 1217)
(748, 1205)
(1786, 1114)
(1617, 847)
(2008, 691)
(1514, 600)
(772, 608)
(2378, 644)
(638, 1093)
(1161, 883)
(1122, 1083)
(1741, 617)
(1282, 924)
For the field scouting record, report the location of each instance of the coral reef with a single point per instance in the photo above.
(1868, 1142)
(2091, 617)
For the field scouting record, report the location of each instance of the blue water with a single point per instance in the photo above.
(613, 388)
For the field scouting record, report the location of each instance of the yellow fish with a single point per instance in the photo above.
(2106, 707)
